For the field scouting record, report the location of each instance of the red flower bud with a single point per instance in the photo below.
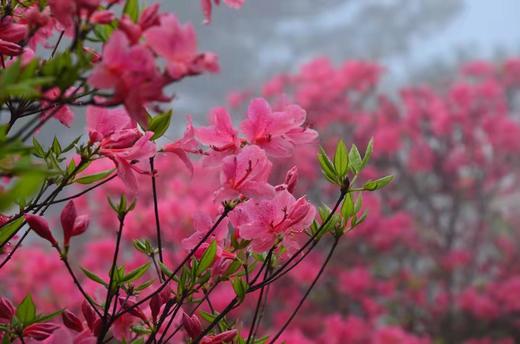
(224, 337)
(89, 314)
(71, 223)
(6, 309)
(155, 306)
(149, 17)
(10, 48)
(192, 325)
(72, 321)
(41, 227)
(136, 311)
(291, 178)
(40, 331)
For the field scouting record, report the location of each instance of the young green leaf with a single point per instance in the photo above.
(92, 178)
(341, 159)
(136, 274)
(93, 277)
(26, 310)
(159, 124)
(347, 208)
(207, 258)
(377, 184)
(327, 168)
(355, 159)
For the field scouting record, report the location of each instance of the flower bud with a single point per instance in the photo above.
(291, 178)
(155, 306)
(6, 309)
(89, 314)
(149, 17)
(41, 227)
(95, 57)
(192, 325)
(40, 331)
(72, 321)
(133, 32)
(10, 48)
(102, 17)
(71, 223)
(135, 311)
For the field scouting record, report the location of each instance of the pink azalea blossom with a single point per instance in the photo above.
(177, 44)
(245, 174)
(120, 140)
(262, 221)
(130, 71)
(276, 132)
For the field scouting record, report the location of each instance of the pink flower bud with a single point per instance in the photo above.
(41, 227)
(136, 312)
(95, 57)
(10, 48)
(72, 321)
(80, 225)
(149, 17)
(89, 314)
(192, 325)
(40, 331)
(13, 32)
(291, 178)
(224, 337)
(6, 309)
(132, 31)
(71, 223)
(155, 306)
(67, 217)
(102, 17)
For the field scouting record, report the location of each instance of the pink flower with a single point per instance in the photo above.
(184, 145)
(276, 132)
(177, 44)
(121, 141)
(130, 71)
(245, 174)
(263, 221)
(220, 135)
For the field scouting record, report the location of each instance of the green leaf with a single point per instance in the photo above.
(38, 149)
(8, 230)
(207, 258)
(355, 159)
(327, 168)
(368, 153)
(136, 274)
(103, 32)
(26, 310)
(25, 186)
(165, 269)
(347, 208)
(341, 159)
(47, 317)
(92, 178)
(240, 287)
(132, 9)
(93, 277)
(377, 184)
(159, 124)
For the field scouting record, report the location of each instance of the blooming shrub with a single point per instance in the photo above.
(435, 260)
(156, 241)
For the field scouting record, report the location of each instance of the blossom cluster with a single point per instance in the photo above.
(161, 241)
